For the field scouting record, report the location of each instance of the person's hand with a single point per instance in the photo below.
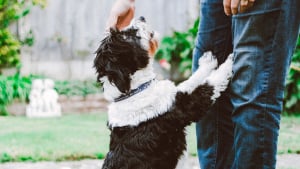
(121, 14)
(232, 7)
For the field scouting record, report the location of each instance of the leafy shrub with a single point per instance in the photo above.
(77, 88)
(9, 49)
(14, 87)
(177, 50)
(11, 11)
(292, 91)
(5, 95)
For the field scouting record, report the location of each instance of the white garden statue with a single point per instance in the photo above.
(43, 100)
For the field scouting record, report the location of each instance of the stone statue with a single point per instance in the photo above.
(43, 99)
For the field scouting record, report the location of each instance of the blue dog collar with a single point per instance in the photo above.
(134, 91)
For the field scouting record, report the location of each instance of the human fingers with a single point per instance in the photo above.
(227, 7)
(232, 7)
(245, 5)
(235, 6)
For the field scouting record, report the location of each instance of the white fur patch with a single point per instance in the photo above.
(152, 102)
(182, 162)
(142, 76)
(219, 78)
(110, 90)
(144, 31)
(207, 63)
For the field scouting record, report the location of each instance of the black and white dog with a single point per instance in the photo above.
(147, 117)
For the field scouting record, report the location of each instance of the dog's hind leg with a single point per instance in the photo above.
(207, 63)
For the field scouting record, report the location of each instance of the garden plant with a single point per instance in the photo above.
(10, 42)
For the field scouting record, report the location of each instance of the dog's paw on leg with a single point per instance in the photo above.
(220, 78)
(208, 62)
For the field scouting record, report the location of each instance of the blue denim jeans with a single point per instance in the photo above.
(241, 129)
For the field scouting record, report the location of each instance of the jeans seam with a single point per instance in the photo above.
(266, 87)
(217, 143)
(217, 139)
(255, 13)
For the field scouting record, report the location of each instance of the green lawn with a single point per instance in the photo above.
(66, 138)
(74, 137)
(289, 137)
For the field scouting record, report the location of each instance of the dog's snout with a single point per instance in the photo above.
(142, 19)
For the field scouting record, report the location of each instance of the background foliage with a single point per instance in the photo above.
(177, 50)
(77, 88)
(10, 44)
(13, 87)
(9, 49)
(292, 93)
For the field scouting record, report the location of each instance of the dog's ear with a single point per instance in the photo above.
(117, 74)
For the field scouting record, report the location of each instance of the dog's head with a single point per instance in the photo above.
(123, 52)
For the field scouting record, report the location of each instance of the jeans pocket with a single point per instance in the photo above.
(261, 7)
(256, 31)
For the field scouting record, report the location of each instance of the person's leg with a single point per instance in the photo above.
(215, 130)
(264, 39)
(214, 32)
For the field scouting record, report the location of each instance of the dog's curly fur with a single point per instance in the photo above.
(148, 128)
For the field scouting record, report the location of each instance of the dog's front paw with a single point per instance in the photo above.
(208, 60)
(207, 64)
(220, 78)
